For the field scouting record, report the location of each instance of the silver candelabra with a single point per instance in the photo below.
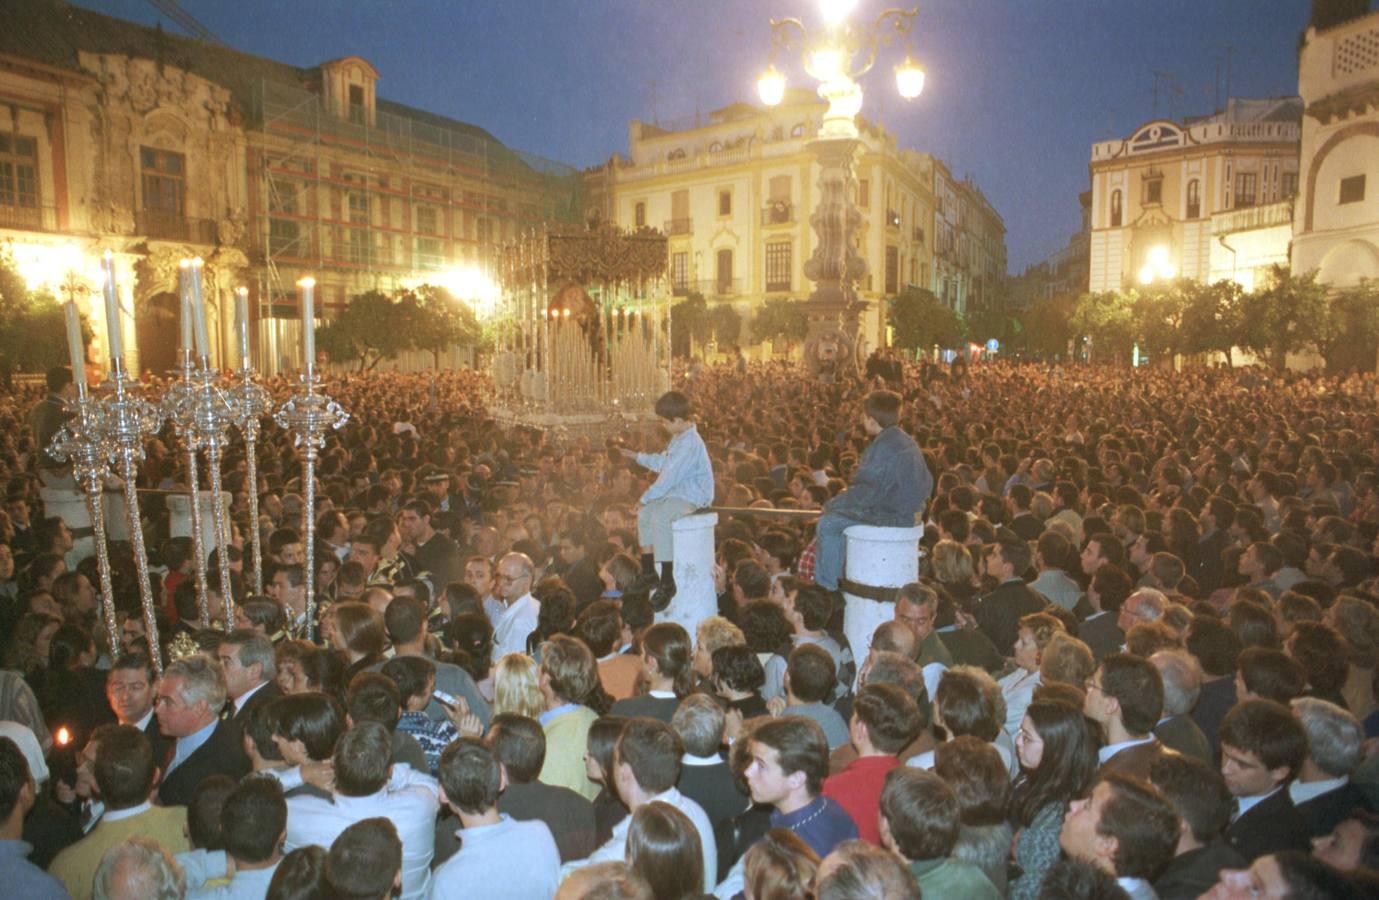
(249, 403)
(309, 415)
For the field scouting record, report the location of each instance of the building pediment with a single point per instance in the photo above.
(1152, 218)
(1155, 136)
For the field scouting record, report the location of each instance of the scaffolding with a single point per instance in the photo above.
(380, 202)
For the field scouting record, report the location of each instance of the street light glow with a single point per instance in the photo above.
(835, 12)
(1158, 265)
(909, 78)
(826, 63)
(771, 86)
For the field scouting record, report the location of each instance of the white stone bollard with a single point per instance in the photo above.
(877, 557)
(180, 519)
(695, 598)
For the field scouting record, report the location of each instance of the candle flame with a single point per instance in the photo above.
(184, 263)
(198, 262)
(242, 291)
(306, 282)
(109, 255)
(64, 737)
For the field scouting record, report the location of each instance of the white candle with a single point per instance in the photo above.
(203, 343)
(307, 286)
(184, 286)
(112, 308)
(76, 348)
(242, 324)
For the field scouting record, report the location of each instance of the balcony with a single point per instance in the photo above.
(678, 227)
(159, 225)
(778, 213)
(717, 287)
(28, 218)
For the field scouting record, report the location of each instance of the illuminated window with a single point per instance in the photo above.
(18, 171)
(1245, 185)
(778, 266)
(1115, 209)
(356, 104)
(1153, 190)
(164, 178)
(1289, 186)
(1352, 189)
(1194, 199)
(639, 215)
(725, 203)
(679, 273)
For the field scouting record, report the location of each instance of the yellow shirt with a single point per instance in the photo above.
(76, 866)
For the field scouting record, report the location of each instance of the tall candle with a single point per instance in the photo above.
(308, 288)
(184, 285)
(75, 347)
(203, 343)
(112, 308)
(242, 324)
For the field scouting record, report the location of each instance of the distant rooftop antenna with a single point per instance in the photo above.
(186, 21)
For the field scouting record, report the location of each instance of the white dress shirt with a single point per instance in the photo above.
(514, 625)
(251, 884)
(616, 846)
(1301, 793)
(410, 799)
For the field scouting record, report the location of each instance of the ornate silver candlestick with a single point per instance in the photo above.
(212, 417)
(309, 415)
(84, 440)
(249, 402)
(180, 406)
(128, 420)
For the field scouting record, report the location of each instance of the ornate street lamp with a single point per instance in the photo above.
(830, 57)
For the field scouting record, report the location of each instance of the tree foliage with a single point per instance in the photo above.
(921, 320)
(33, 331)
(1106, 319)
(376, 326)
(689, 324)
(1288, 313)
(781, 320)
(1350, 341)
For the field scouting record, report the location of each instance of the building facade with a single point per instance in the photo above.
(1336, 227)
(1165, 198)
(734, 191)
(118, 137)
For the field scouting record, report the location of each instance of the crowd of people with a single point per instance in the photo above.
(1140, 658)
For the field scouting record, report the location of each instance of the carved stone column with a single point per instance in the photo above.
(695, 598)
(835, 266)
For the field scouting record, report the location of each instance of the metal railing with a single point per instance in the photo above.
(163, 226)
(675, 227)
(29, 218)
(716, 287)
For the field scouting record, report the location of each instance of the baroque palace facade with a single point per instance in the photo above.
(117, 137)
(734, 190)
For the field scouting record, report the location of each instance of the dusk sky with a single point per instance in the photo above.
(1017, 90)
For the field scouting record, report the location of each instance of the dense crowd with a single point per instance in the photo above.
(1140, 659)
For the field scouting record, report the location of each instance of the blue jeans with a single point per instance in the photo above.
(830, 548)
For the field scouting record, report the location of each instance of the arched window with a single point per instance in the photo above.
(677, 153)
(1115, 209)
(798, 130)
(1194, 199)
(715, 146)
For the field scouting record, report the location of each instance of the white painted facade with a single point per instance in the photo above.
(1337, 222)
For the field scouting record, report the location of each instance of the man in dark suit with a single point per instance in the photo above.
(1203, 802)
(1262, 748)
(190, 698)
(577, 564)
(1125, 696)
(1100, 631)
(1205, 565)
(705, 777)
(250, 673)
(1323, 792)
(1182, 679)
(999, 612)
(130, 688)
(1217, 650)
(1023, 522)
